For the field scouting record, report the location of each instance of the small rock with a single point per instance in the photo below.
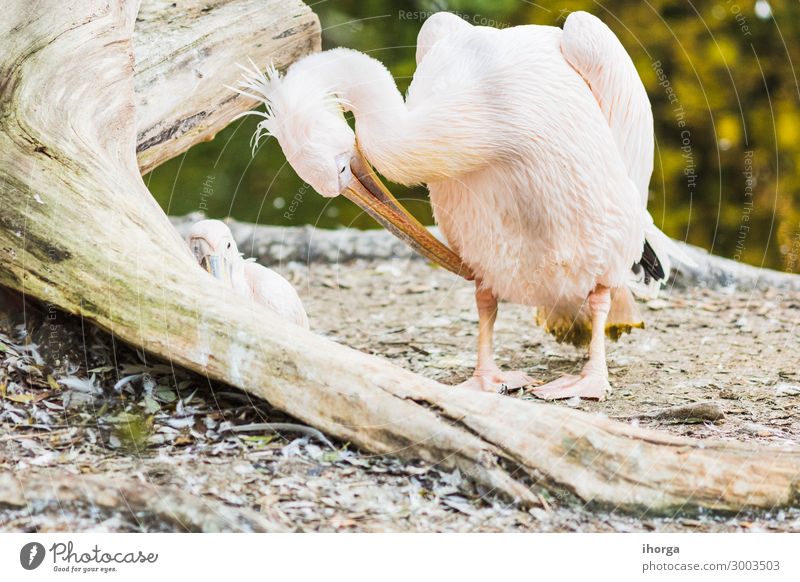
(450, 362)
(574, 401)
(786, 389)
(760, 430)
(243, 468)
(657, 304)
(388, 269)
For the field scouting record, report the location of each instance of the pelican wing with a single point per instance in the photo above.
(273, 291)
(435, 28)
(597, 55)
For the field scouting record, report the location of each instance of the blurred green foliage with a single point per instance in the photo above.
(719, 74)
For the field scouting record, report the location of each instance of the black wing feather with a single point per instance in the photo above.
(650, 263)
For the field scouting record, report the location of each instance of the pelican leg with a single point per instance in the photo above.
(593, 379)
(488, 377)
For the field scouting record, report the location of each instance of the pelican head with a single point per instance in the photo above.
(309, 124)
(316, 139)
(308, 121)
(212, 244)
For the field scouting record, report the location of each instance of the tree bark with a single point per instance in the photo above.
(140, 501)
(187, 51)
(81, 231)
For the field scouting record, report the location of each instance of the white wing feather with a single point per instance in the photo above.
(435, 28)
(599, 57)
(273, 291)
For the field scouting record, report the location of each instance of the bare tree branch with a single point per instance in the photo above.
(186, 52)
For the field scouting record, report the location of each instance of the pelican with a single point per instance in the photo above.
(212, 244)
(536, 145)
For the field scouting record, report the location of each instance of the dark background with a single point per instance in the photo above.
(731, 184)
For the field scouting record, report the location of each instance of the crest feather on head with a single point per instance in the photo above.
(289, 100)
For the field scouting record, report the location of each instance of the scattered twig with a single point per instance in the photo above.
(687, 413)
(276, 427)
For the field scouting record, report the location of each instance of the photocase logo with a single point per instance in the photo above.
(31, 555)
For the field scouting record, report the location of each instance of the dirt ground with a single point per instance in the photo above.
(60, 413)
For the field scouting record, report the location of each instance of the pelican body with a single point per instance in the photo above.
(212, 244)
(536, 145)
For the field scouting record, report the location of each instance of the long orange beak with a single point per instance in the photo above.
(369, 193)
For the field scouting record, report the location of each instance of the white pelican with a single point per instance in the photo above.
(536, 145)
(212, 244)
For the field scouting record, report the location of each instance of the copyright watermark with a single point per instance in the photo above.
(476, 19)
(66, 558)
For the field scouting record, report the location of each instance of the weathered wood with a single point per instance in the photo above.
(273, 245)
(80, 230)
(38, 490)
(186, 52)
(717, 272)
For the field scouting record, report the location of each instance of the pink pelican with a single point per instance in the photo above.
(536, 145)
(212, 244)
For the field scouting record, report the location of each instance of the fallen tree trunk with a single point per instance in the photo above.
(140, 501)
(273, 245)
(81, 231)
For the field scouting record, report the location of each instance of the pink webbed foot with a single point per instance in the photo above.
(496, 381)
(592, 386)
